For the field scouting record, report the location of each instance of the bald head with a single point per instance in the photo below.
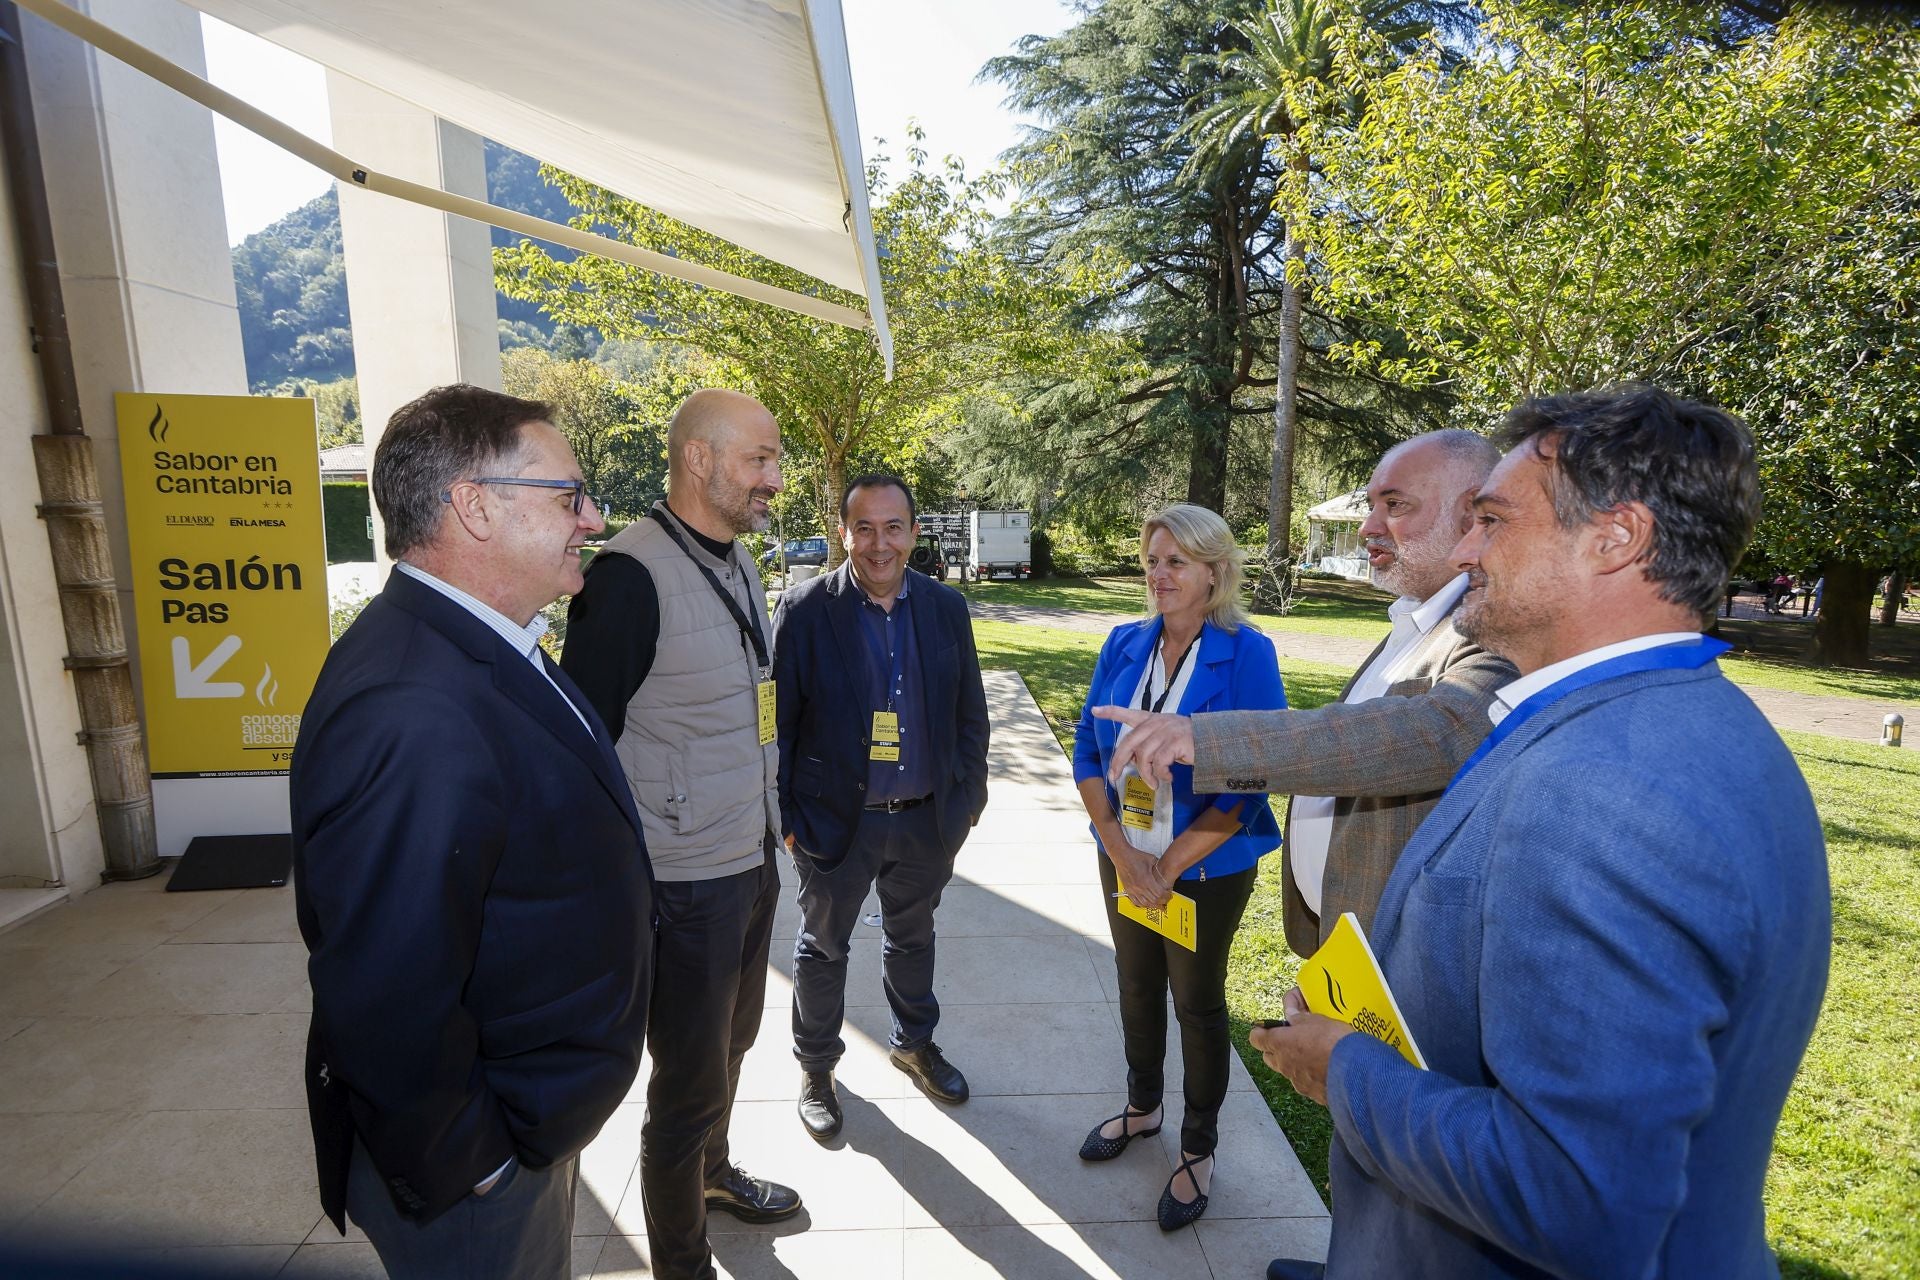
(710, 416)
(1420, 503)
(723, 462)
(1459, 458)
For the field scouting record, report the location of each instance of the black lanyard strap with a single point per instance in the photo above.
(1173, 676)
(748, 629)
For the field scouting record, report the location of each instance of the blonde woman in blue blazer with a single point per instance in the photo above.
(1193, 652)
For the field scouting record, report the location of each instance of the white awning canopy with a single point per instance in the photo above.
(734, 116)
(1347, 508)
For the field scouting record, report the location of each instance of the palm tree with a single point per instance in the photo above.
(1285, 65)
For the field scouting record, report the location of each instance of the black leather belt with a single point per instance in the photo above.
(895, 806)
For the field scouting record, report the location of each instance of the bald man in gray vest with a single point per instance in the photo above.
(669, 641)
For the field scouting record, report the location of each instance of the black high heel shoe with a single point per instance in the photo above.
(1099, 1148)
(1175, 1214)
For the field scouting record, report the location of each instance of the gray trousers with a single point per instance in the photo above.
(899, 852)
(522, 1229)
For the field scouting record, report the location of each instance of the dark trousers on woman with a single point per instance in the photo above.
(1149, 965)
(709, 986)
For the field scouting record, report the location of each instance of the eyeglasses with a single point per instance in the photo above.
(579, 487)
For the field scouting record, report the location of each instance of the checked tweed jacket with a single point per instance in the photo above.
(1387, 761)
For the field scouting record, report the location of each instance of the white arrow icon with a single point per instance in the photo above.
(190, 681)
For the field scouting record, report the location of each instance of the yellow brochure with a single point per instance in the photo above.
(1343, 980)
(1175, 920)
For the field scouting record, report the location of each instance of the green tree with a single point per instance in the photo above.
(1828, 373)
(1598, 193)
(291, 285)
(1180, 249)
(336, 408)
(1283, 71)
(618, 442)
(962, 313)
(1182, 261)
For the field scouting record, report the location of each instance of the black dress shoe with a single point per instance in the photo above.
(752, 1199)
(1097, 1147)
(1175, 1214)
(819, 1104)
(937, 1078)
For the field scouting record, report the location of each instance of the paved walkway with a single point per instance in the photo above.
(150, 1050)
(1856, 718)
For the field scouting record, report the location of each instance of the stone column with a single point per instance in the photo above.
(419, 282)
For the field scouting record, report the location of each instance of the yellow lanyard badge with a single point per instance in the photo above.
(767, 722)
(1136, 803)
(885, 738)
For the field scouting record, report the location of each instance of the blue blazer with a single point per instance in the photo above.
(473, 888)
(824, 714)
(1233, 671)
(1610, 940)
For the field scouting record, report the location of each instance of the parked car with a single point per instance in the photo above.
(928, 557)
(799, 551)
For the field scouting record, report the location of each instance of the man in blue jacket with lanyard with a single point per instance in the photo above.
(1610, 937)
(883, 771)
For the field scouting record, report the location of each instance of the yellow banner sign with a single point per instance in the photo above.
(229, 576)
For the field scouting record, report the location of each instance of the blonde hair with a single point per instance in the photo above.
(1204, 536)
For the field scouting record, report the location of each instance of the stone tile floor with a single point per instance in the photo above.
(150, 1100)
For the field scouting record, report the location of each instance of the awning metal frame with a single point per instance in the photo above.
(340, 167)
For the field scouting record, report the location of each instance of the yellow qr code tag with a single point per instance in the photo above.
(768, 725)
(1136, 804)
(886, 736)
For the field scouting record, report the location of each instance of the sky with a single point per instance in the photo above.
(911, 59)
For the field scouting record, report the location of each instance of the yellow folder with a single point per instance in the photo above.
(1343, 980)
(1175, 920)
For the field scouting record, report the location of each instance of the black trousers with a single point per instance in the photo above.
(709, 988)
(1149, 966)
(901, 851)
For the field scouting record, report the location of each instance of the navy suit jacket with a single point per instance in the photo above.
(1233, 671)
(1610, 941)
(474, 892)
(824, 710)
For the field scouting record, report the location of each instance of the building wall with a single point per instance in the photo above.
(134, 190)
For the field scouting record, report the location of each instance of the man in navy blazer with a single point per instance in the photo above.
(469, 874)
(1610, 937)
(883, 771)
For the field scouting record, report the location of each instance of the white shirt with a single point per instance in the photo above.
(1156, 840)
(524, 640)
(1508, 697)
(1310, 819)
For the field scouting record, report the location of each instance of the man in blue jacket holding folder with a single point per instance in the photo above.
(1610, 937)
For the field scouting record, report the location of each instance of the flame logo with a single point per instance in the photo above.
(158, 428)
(1335, 995)
(268, 689)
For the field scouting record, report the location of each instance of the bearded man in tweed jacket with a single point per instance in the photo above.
(1365, 770)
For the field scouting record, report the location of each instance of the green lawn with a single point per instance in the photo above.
(1325, 607)
(1765, 653)
(1843, 1192)
(1888, 685)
